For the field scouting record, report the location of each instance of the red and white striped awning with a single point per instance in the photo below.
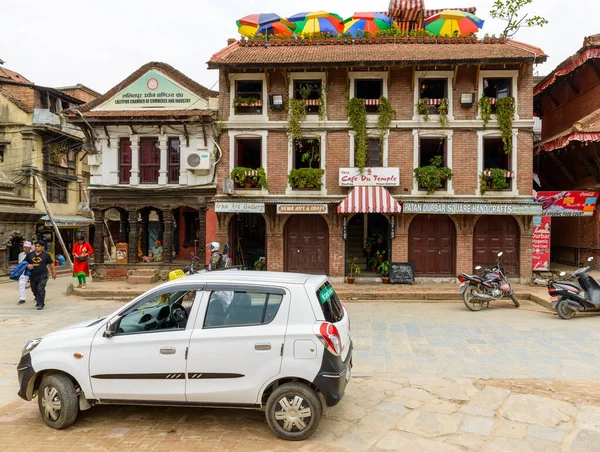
(369, 200)
(406, 10)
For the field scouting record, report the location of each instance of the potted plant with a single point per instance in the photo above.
(373, 264)
(244, 177)
(378, 236)
(505, 112)
(369, 242)
(433, 176)
(306, 178)
(260, 264)
(384, 271)
(493, 179)
(443, 110)
(423, 108)
(380, 255)
(353, 268)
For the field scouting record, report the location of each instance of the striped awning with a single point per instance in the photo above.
(406, 10)
(369, 200)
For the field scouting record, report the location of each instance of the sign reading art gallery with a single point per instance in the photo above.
(383, 177)
(153, 91)
(302, 208)
(472, 208)
(240, 207)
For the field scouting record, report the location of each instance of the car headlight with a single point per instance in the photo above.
(30, 345)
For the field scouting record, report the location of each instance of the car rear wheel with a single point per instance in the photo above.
(293, 411)
(470, 302)
(57, 400)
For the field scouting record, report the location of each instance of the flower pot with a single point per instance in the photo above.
(380, 259)
(379, 239)
(368, 249)
(373, 268)
(502, 40)
(385, 279)
(248, 184)
(350, 279)
(486, 40)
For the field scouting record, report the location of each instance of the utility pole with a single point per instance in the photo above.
(49, 212)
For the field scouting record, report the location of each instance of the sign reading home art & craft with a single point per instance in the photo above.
(240, 207)
(382, 177)
(302, 208)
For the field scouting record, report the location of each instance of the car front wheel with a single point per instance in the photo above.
(293, 411)
(57, 400)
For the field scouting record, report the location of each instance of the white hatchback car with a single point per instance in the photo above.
(263, 340)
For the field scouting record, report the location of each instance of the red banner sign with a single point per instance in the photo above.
(541, 244)
(567, 203)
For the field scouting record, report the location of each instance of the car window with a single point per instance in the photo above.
(163, 312)
(237, 308)
(330, 303)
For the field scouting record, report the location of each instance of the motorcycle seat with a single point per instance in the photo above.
(569, 283)
(468, 276)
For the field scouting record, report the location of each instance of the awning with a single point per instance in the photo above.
(68, 220)
(369, 200)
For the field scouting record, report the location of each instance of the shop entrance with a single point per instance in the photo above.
(492, 235)
(307, 245)
(368, 240)
(432, 245)
(247, 240)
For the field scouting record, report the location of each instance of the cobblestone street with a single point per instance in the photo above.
(427, 377)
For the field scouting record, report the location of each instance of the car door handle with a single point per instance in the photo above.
(167, 351)
(263, 346)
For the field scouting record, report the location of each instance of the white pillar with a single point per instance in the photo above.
(112, 175)
(162, 174)
(135, 160)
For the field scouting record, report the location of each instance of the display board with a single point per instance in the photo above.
(402, 273)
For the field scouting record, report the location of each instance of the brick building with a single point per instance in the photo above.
(568, 156)
(317, 229)
(152, 161)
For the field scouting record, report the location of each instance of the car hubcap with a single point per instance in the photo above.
(293, 413)
(51, 403)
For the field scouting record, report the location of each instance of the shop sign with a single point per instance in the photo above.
(541, 244)
(393, 227)
(153, 91)
(302, 208)
(568, 203)
(345, 228)
(383, 177)
(68, 223)
(240, 207)
(472, 208)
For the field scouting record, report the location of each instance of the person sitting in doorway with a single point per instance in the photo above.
(155, 254)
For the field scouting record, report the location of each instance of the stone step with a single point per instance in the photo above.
(137, 279)
(145, 272)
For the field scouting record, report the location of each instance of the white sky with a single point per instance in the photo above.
(100, 42)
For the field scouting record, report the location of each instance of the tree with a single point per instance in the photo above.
(510, 11)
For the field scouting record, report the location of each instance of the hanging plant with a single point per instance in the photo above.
(296, 114)
(306, 178)
(443, 110)
(324, 89)
(56, 151)
(357, 118)
(485, 109)
(386, 114)
(505, 112)
(433, 176)
(423, 108)
(495, 181)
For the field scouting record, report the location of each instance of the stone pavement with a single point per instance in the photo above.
(427, 377)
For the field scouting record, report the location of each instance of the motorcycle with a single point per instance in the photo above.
(491, 285)
(567, 297)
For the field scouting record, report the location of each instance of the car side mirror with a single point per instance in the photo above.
(110, 330)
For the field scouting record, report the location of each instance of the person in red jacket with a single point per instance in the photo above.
(81, 252)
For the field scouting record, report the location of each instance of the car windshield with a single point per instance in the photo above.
(165, 299)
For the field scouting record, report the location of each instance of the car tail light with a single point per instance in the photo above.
(329, 335)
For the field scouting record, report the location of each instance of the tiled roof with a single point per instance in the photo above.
(12, 75)
(166, 69)
(586, 129)
(15, 100)
(324, 53)
(144, 113)
(81, 92)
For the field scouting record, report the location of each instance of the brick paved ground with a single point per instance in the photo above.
(416, 386)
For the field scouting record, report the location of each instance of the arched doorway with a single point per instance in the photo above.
(15, 247)
(494, 234)
(247, 240)
(306, 247)
(432, 245)
(368, 240)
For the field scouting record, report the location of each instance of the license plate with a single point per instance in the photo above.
(553, 298)
(348, 375)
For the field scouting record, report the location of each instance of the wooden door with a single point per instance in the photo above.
(307, 244)
(494, 234)
(432, 245)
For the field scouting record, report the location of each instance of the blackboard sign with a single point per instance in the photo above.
(402, 273)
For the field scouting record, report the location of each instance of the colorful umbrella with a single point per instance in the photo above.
(317, 22)
(371, 22)
(450, 22)
(268, 24)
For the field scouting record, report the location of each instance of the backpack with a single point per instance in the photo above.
(21, 268)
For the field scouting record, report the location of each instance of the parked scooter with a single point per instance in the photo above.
(491, 285)
(569, 298)
(218, 260)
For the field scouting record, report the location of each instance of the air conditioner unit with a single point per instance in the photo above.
(228, 186)
(198, 162)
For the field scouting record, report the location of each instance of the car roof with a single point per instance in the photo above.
(250, 276)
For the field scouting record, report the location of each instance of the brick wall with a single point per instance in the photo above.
(24, 93)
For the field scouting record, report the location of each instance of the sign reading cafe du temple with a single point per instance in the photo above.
(383, 177)
(153, 91)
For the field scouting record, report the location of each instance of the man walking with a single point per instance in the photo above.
(39, 261)
(23, 279)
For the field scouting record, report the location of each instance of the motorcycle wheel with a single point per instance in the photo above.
(473, 305)
(514, 299)
(563, 310)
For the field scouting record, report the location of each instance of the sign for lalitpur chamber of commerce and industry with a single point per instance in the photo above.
(472, 208)
(302, 208)
(240, 207)
(153, 91)
(376, 176)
